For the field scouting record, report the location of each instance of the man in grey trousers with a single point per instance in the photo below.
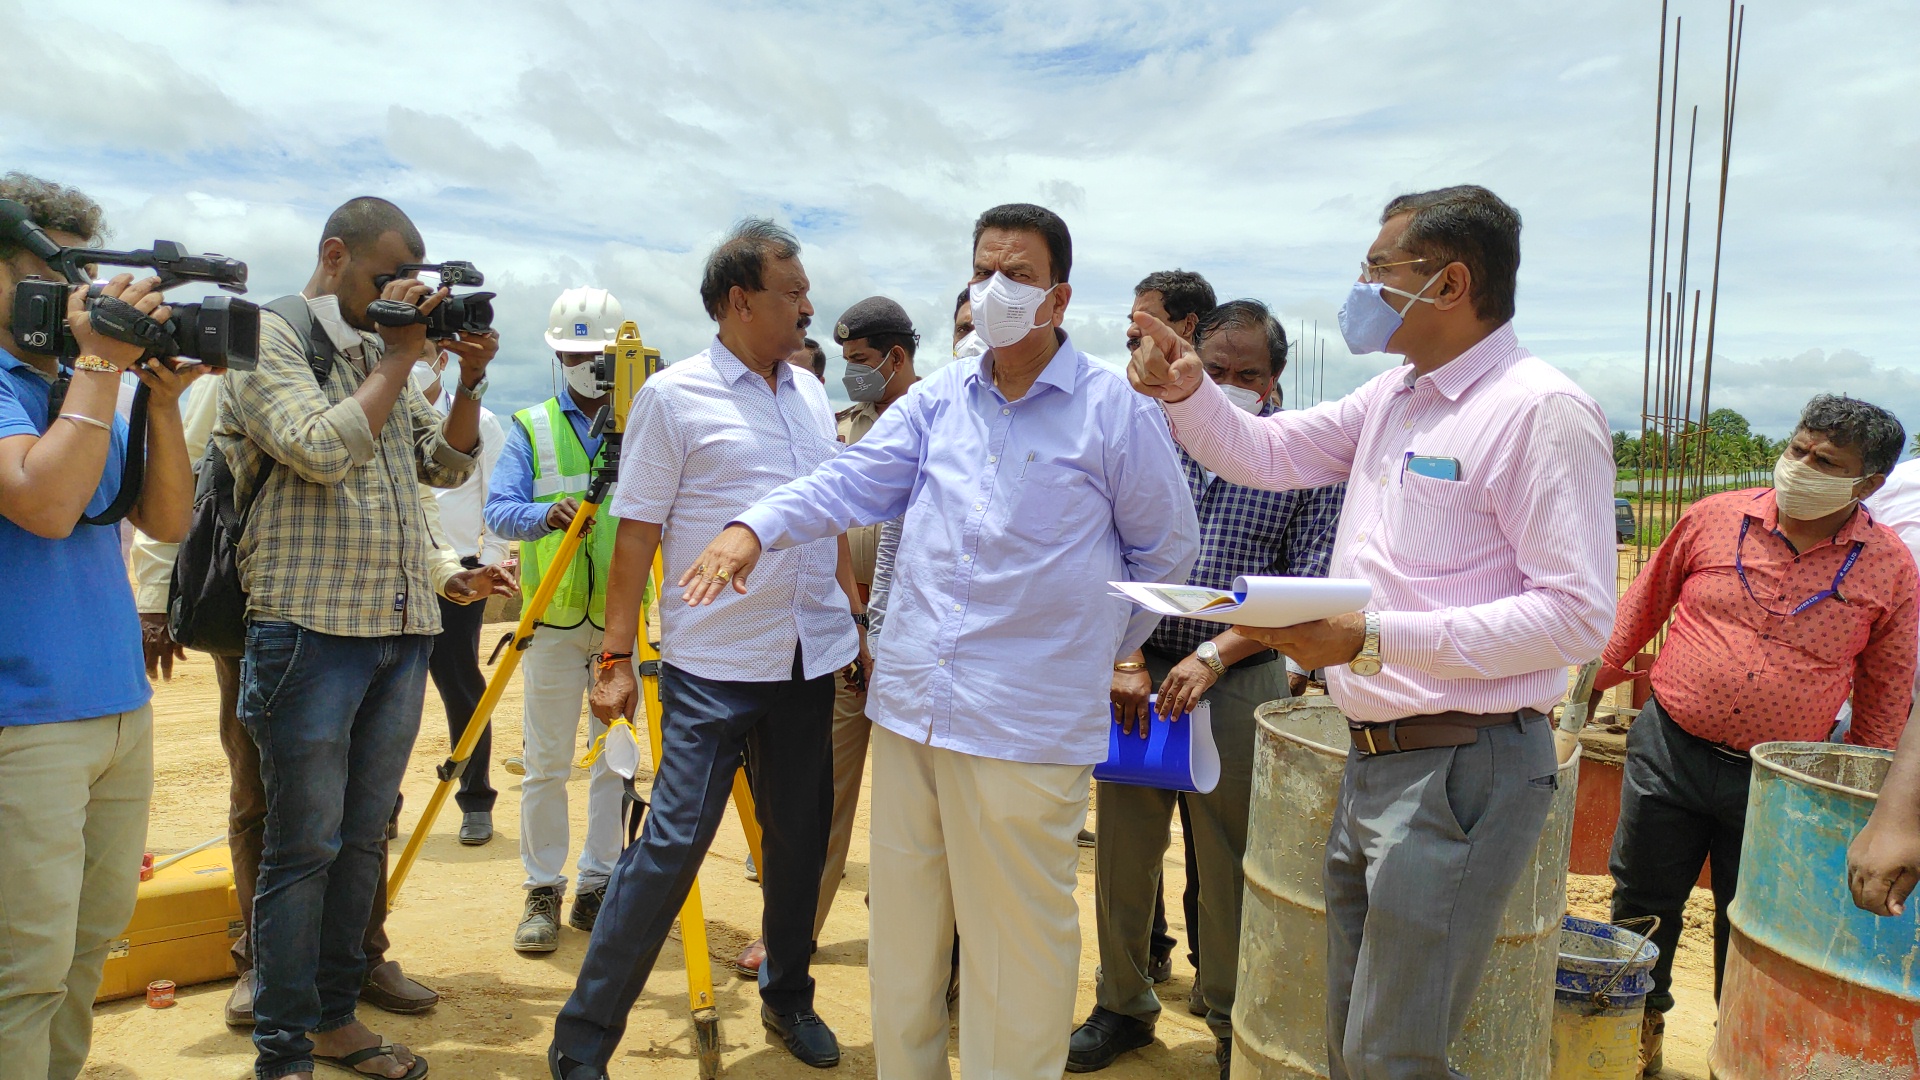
(1479, 490)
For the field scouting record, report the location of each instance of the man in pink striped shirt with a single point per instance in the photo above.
(1479, 501)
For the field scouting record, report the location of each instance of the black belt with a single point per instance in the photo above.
(1264, 656)
(1432, 731)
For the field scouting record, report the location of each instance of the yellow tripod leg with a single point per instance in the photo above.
(749, 824)
(449, 770)
(693, 920)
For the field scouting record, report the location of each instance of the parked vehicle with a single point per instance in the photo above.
(1624, 528)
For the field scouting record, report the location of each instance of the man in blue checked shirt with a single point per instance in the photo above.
(1029, 481)
(1242, 531)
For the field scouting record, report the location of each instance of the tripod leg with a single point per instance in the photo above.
(456, 763)
(749, 823)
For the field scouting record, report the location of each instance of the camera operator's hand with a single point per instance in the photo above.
(144, 295)
(475, 352)
(411, 339)
(472, 586)
(167, 380)
(156, 640)
(615, 694)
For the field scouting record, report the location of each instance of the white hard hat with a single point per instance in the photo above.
(583, 320)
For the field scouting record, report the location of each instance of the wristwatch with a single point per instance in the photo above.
(1368, 662)
(1209, 654)
(476, 391)
(860, 619)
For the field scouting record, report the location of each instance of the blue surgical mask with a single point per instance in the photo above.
(1368, 320)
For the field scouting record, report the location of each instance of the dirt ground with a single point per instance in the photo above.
(454, 922)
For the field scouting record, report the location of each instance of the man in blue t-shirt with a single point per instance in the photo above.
(76, 732)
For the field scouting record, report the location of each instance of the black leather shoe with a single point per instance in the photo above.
(586, 908)
(1105, 1036)
(476, 828)
(563, 1067)
(807, 1037)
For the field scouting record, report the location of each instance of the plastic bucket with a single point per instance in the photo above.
(1599, 996)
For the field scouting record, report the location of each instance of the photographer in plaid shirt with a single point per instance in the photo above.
(1242, 531)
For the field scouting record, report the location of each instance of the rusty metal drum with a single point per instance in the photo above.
(1279, 1009)
(1814, 986)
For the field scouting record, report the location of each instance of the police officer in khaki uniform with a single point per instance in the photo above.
(877, 340)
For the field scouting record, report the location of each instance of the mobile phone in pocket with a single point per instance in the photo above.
(1439, 468)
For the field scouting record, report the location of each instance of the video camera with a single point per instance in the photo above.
(471, 313)
(220, 331)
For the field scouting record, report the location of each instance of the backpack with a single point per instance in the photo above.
(206, 606)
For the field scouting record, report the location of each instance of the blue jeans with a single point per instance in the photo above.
(335, 719)
(708, 725)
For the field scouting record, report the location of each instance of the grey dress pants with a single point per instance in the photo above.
(1426, 845)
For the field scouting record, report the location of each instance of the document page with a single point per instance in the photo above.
(1254, 601)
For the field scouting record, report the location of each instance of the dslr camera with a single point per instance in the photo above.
(469, 313)
(220, 331)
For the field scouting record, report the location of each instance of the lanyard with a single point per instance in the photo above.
(1832, 590)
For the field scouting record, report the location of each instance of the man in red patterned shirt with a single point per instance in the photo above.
(1785, 601)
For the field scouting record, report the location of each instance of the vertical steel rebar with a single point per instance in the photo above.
(1736, 36)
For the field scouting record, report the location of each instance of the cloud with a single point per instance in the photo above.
(563, 143)
(1770, 391)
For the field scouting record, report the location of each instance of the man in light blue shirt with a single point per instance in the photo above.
(1029, 480)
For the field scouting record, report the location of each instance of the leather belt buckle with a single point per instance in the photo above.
(1370, 734)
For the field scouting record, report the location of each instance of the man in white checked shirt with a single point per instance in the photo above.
(1479, 489)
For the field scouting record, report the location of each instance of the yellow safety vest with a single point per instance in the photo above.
(562, 469)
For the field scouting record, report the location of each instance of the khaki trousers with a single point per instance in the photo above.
(73, 826)
(1133, 842)
(851, 731)
(990, 844)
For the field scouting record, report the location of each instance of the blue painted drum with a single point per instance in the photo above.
(1814, 986)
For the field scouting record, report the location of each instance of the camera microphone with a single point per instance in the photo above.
(16, 222)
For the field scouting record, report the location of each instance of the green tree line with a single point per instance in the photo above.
(1732, 447)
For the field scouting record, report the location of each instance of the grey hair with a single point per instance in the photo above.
(1852, 423)
(741, 259)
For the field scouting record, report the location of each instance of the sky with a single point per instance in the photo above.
(558, 144)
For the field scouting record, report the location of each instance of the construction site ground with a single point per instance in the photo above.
(455, 920)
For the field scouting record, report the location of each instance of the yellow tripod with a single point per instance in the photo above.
(624, 367)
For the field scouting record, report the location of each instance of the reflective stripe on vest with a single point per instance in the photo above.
(549, 483)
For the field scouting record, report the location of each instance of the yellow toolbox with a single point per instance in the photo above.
(184, 925)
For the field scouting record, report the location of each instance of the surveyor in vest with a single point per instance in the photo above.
(537, 488)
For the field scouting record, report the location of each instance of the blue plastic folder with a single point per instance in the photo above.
(1175, 756)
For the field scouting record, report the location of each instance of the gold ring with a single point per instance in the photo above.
(723, 575)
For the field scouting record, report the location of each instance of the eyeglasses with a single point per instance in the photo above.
(1370, 271)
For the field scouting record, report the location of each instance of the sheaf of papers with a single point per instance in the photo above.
(1253, 601)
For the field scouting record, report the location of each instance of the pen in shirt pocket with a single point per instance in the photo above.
(1024, 464)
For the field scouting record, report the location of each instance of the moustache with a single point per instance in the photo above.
(805, 321)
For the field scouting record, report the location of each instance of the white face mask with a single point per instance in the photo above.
(1004, 310)
(581, 381)
(425, 379)
(1804, 493)
(969, 347)
(1247, 401)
